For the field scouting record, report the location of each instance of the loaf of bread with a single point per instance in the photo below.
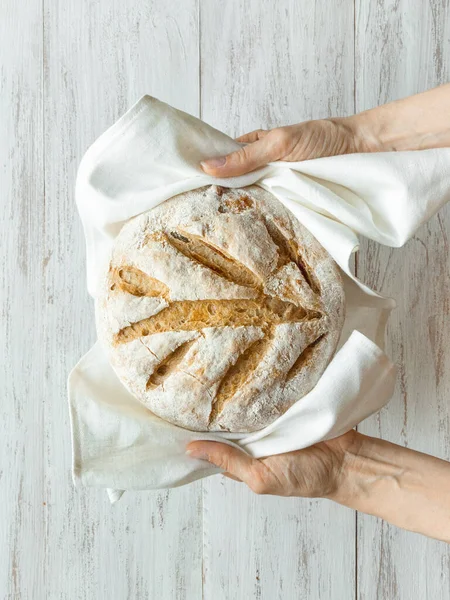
(219, 309)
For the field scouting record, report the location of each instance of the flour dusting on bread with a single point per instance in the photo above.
(219, 309)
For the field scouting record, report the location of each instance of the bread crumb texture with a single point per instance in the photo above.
(219, 310)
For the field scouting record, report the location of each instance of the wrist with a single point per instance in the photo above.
(346, 450)
(370, 468)
(387, 128)
(402, 486)
(350, 479)
(367, 469)
(416, 123)
(365, 131)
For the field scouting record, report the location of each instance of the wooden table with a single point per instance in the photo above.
(69, 70)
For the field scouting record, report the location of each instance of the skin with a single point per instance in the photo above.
(416, 123)
(407, 488)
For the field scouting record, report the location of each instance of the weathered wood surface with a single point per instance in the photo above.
(22, 477)
(261, 71)
(99, 57)
(76, 68)
(403, 47)
(67, 71)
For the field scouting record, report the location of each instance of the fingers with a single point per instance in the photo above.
(236, 463)
(253, 136)
(242, 161)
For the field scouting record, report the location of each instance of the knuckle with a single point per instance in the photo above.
(242, 156)
(259, 486)
(259, 482)
(281, 138)
(225, 460)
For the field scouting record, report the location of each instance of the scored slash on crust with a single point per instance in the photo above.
(264, 311)
(167, 366)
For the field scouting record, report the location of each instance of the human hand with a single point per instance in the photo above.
(405, 487)
(310, 139)
(313, 472)
(415, 123)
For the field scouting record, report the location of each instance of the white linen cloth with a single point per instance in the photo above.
(151, 154)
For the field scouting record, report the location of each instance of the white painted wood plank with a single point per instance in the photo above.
(403, 47)
(270, 65)
(22, 510)
(99, 58)
(265, 64)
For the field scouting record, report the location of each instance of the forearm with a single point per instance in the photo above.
(407, 488)
(415, 123)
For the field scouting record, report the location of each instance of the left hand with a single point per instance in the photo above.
(313, 472)
(310, 139)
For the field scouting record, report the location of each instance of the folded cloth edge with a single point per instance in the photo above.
(116, 129)
(249, 443)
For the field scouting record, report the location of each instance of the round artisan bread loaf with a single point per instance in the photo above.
(219, 310)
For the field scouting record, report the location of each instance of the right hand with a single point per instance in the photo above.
(315, 472)
(310, 139)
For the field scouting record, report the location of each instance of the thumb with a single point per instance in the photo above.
(242, 161)
(226, 457)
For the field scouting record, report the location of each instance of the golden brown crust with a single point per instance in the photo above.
(220, 310)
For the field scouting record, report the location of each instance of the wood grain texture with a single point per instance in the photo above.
(403, 47)
(274, 63)
(22, 510)
(67, 71)
(100, 57)
(265, 64)
(67, 74)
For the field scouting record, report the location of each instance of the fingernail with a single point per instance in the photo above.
(197, 454)
(214, 163)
